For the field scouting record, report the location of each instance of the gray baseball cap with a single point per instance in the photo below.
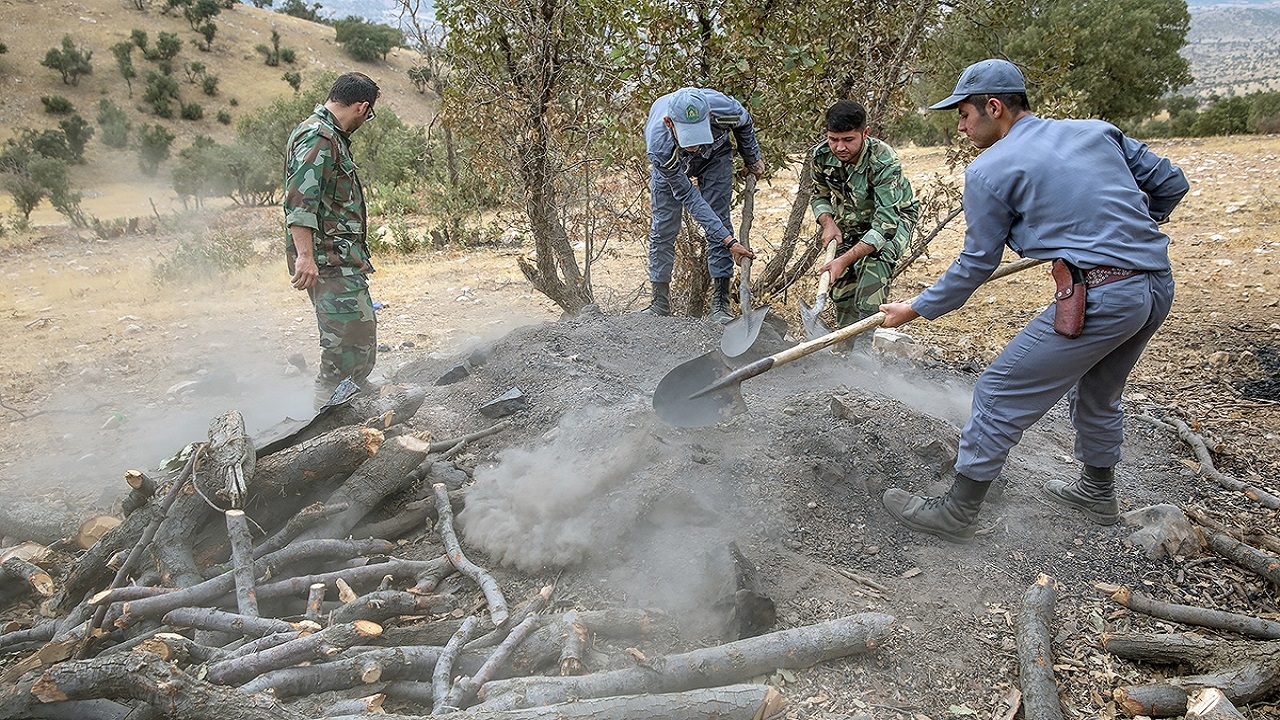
(989, 77)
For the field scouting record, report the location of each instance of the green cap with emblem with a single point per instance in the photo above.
(691, 115)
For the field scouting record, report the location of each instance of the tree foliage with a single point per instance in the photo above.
(123, 53)
(154, 142)
(78, 133)
(300, 9)
(201, 172)
(114, 124)
(367, 41)
(71, 61)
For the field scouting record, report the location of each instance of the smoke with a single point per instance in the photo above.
(945, 398)
(556, 504)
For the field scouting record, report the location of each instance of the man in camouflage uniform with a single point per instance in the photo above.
(324, 210)
(863, 203)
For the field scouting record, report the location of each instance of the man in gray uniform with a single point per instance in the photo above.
(1075, 191)
(687, 136)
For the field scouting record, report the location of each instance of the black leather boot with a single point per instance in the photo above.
(951, 516)
(720, 301)
(661, 303)
(1093, 494)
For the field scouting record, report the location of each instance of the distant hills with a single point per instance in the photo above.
(1233, 48)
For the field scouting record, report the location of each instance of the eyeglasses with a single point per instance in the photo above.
(371, 115)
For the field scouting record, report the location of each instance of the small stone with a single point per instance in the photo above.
(1222, 358)
(461, 371)
(510, 402)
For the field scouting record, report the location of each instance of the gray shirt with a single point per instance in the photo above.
(1079, 190)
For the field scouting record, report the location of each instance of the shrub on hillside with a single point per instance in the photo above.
(78, 133)
(367, 41)
(192, 111)
(71, 61)
(203, 255)
(224, 117)
(123, 52)
(56, 104)
(139, 38)
(153, 147)
(114, 124)
(209, 84)
(161, 90)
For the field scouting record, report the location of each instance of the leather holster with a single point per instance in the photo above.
(1069, 299)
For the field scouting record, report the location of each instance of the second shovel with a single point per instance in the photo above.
(742, 331)
(813, 325)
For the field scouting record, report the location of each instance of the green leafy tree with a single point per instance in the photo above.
(168, 45)
(194, 71)
(262, 3)
(123, 53)
(78, 132)
(114, 124)
(209, 84)
(208, 31)
(294, 79)
(192, 111)
(160, 92)
(56, 104)
(198, 12)
(72, 61)
(272, 54)
(1264, 112)
(420, 76)
(27, 194)
(153, 147)
(201, 171)
(54, 176)
(299, 9)
(139, 38)
(367, 41)
(1226, 116)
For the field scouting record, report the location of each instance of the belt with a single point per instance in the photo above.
(1103, 274)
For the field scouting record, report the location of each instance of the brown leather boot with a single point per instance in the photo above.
(1093, 494)
(951, 516)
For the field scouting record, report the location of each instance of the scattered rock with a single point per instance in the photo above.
(508, 403)
(458, 372)
(1163, 531)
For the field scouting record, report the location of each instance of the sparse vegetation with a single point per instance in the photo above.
(1183, 116)
(201, 255)
(192, 111)
(224, 117)
(273, 54)
(299, 9)
(72, 61)
(294, 79)
(78, 133)
(56, 104)
(160, 93)
(167, 46)
(201, 172)
(123, 52)
(209, 84)
(153, 147)
(114, 124)
(139, 38)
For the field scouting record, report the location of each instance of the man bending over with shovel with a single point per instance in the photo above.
(1082, 194)
(687, 136)
(865, 206)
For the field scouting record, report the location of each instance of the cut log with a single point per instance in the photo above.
(179, 649)
(267, 642)
(315, 599)
(91, 570)
(382, 604)
(1211, 704)
(141, 489)
(377, 478)
(705, 667)
(464, 691)
(732, 702)
(498, 612)
(397, 663)
(306, 517)
(442, 674)
(213, 620)
(1207, 469)
(231, 459)
(575, 643)
(1191, 615)
(318, 646)
(145, 677)
(20, 577)
(92, 530)
(391, 405)
(397, 568)
(1244, 671)
(36, 521)
(530, 607)
(1245, 556)
(1035, 651)
(18, 640)
(275, 563)
(242, 562)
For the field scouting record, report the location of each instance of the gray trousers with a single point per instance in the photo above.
(1039, 366)
(715, 182)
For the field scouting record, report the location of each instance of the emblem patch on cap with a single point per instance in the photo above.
(691, 113)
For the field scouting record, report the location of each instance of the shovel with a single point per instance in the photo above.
(705, 390)
(742, 331)
(814, 328)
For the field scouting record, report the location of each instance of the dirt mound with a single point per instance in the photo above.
(597, 491)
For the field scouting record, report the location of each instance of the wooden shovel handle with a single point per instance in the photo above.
(824, 282)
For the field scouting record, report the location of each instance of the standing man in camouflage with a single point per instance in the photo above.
(325, 242)
(865, 205)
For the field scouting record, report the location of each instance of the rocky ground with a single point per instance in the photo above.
(590, 490)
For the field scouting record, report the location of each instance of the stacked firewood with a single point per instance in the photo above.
(228, 592)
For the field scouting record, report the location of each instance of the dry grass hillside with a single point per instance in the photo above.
(110, 181)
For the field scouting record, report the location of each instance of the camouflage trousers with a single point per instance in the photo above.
(861, 290)
(348, 330)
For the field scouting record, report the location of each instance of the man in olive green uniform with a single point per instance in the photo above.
(865, 205)
(325, 243)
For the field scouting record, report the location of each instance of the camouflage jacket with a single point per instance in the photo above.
(323, 192)
(870, 199)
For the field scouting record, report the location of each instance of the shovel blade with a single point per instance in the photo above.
(741, 332)
(813, 326)
(672, 401)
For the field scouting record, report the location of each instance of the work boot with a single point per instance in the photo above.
(661, 303)
(720, 301)
(1094, 494)
(951, 516)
